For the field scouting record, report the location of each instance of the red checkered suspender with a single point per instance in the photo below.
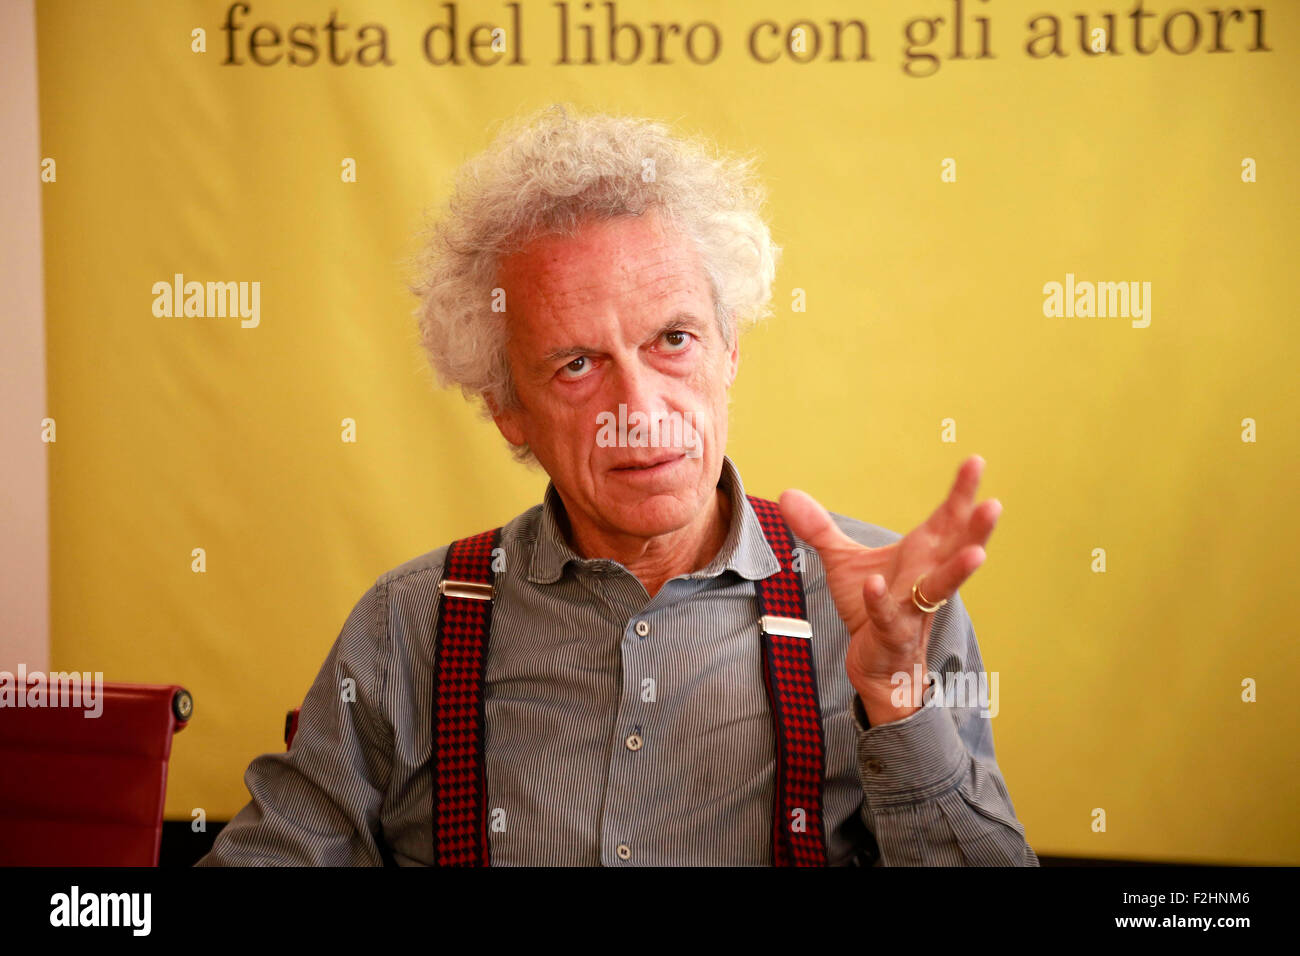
(797, 837)
(460, 656)
(464, 625)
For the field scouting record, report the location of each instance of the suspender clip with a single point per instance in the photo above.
(786, 626)
(466, 589)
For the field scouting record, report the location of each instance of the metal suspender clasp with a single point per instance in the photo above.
(466, 589)
(787, 626)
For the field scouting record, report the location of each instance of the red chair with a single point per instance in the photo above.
(290, 727)
(88, 791)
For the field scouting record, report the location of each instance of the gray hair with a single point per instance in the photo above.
(550, 172)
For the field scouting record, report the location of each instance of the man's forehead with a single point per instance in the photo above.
(561, 286)
(613, 257)
(560, 295)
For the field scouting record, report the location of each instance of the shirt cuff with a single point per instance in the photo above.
(907, 760)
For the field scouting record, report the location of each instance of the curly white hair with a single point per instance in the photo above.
(547, 173)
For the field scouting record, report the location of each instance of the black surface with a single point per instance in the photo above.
(181, 846)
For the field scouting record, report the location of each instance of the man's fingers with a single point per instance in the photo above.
(961, 497)
(943, 582)
(810, 521)
(982, 521)
(977, 531)
(882, 607)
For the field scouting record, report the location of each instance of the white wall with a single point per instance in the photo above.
(24, 503)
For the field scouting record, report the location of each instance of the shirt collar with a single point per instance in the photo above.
(745, 550)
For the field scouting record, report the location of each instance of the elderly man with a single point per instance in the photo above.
(651, 667)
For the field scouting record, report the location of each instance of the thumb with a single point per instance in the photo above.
(810, 521)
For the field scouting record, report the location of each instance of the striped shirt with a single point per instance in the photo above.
(621, 730)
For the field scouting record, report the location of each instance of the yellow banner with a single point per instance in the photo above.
(1060, 235)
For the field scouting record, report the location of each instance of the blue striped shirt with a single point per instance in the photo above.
(621, 730)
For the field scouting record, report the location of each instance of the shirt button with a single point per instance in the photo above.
(624, 851)
(874, 765)
(642, 628)
(633, 742)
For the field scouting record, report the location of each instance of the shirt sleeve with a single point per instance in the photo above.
(932, 791)
(319, 804)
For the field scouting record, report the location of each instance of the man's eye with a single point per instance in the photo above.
(576, 367)
(678, 338)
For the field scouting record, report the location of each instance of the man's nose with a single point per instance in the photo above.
(641, 390)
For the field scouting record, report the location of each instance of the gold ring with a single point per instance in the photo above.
(919, 599)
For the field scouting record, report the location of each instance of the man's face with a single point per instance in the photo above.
(619, 314)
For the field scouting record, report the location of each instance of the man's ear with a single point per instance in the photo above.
(733, 361)
(507, 420)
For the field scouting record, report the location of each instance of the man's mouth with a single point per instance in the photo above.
(651, 464)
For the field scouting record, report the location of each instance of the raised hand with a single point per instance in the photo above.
(873, 587)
